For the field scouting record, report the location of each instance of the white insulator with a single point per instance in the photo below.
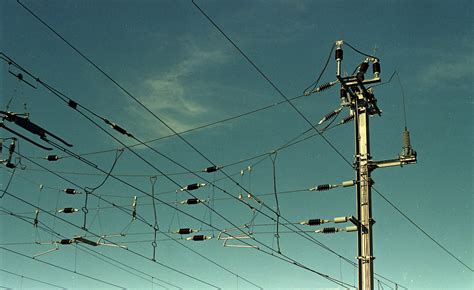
(341, 219)
(352, 229)
(348, 183)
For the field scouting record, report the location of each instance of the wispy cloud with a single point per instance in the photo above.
(171, 94)
(449, 69)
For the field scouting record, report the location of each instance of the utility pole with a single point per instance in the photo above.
(357, 95)
(362, 104)
(363, 193)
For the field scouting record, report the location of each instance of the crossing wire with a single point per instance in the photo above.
(65, 150)
(63, 268)
(65, 99)
(164, 123)
(33, 279)
(113, 243)
(96, 254)
(306, 119)
(282, 257)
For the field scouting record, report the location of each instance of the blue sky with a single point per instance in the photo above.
(180, 67)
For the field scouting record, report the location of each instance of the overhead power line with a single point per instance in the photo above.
(281, 257)
(306, 119)
(33, 279)
(421, 230)
(91, 252)
(76, 106)
(111, 242)
(63, 268)
(177, 134)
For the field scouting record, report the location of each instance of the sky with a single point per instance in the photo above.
(166, 66)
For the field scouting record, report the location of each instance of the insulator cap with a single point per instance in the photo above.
(323, 187)
(376, 67)
(339, 54)
(65, 242)
(68, 210)
(211, 169)
(343, 93)
(363, 67)
(52, 158)
(185, 231)
(314, 222)
(328, 230)
(70, 191)
(348, 183)
(351, 229)
(191, 201)
(198, 238)
(192, 186)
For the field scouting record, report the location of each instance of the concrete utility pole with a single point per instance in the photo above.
(363, 104)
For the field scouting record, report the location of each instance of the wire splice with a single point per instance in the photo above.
(118, 128)
(72, 104)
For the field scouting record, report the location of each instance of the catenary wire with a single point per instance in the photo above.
(306, 119)
(111, 242)
(63, 268)
(170, 128)
(75, 155)
(47, 229)
(65, 99)
(145, 107)
(62, 96)
(269, 253)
